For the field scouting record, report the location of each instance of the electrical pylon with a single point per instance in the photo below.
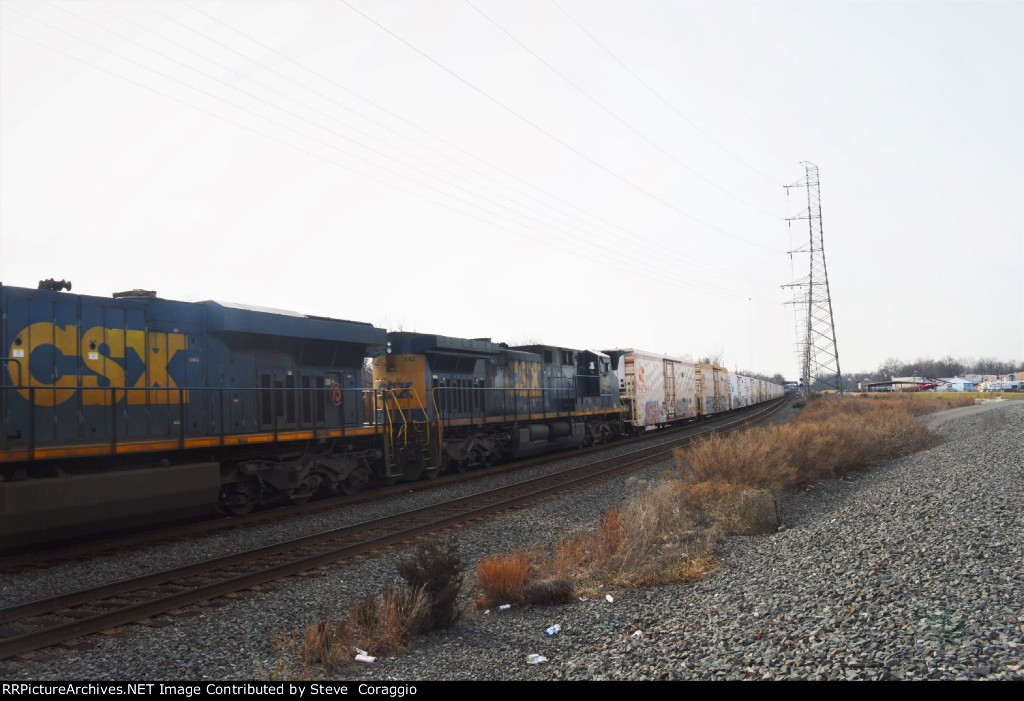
(819, 353)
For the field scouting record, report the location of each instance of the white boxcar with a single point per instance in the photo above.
(655, 389)
(713, 392)
(658, 389)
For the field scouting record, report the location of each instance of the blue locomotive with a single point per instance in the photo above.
(453, 403)
(121, 411)
(134, 409)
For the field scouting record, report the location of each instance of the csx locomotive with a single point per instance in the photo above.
(131, 410)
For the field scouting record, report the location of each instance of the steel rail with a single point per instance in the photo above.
(499, 499)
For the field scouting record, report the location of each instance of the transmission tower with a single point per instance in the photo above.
(818, 352)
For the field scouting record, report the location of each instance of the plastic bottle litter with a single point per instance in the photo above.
(360, 652)
(536, 659)
(553, 629)
(505, 607)
(365, 658)
(637, 634)
(608, 598)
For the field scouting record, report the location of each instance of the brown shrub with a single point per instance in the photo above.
(436, 567)
(501, 577)
(753, 458)
(828, 439)
(381, 625)
(385, 625)
(749, 512)
(322, 648)
(669, 531)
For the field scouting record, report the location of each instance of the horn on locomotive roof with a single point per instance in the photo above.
(55, 285)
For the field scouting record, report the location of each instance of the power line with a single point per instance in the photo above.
(618, 118)
(688, 260)
(575, 252)
(660, 97)
(554, 138)
(611, 251)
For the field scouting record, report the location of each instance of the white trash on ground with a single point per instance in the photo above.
(553, 629)
(536, 659)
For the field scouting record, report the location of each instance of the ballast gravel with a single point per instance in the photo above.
(913, 570)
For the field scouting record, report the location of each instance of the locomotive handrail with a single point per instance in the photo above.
(135, 415)
(16, 361)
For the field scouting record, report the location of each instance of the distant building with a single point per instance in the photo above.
(912, 384)
(957, 384)
(1001, 386)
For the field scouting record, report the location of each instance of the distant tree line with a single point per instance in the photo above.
(927, 367)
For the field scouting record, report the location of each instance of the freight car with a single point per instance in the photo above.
(659, 390)
(136, 410)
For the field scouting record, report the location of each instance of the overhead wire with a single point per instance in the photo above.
(609, 250)
(555, 138)
(614, 115)
(661, 98)
(669, 281)
(689, 260)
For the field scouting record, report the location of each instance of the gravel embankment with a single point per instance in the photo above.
(913, 570)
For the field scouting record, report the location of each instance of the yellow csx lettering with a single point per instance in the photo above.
(154, 348)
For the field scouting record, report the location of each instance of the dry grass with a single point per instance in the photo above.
(501, 578)
(654, 538)
(830, 437)
(322, 648)
(669, 531)
(436, 567)
(929, 402)
(382, 626)
(386, 624)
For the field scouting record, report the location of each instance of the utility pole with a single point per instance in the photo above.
(818, 352)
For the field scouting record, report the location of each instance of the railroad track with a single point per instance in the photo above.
(39, 624)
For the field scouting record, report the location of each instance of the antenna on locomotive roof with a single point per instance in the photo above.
(55, 285)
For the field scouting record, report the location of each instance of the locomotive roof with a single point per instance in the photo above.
(234, 318)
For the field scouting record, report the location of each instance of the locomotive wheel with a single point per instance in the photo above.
(237, 499)
(305, 491)
(461, 466)
(239, 509)
(346, 486)
(432, 473)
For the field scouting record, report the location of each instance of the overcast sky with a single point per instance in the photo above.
(576, 172)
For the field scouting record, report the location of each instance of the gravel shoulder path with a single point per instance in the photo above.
(912, 570)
